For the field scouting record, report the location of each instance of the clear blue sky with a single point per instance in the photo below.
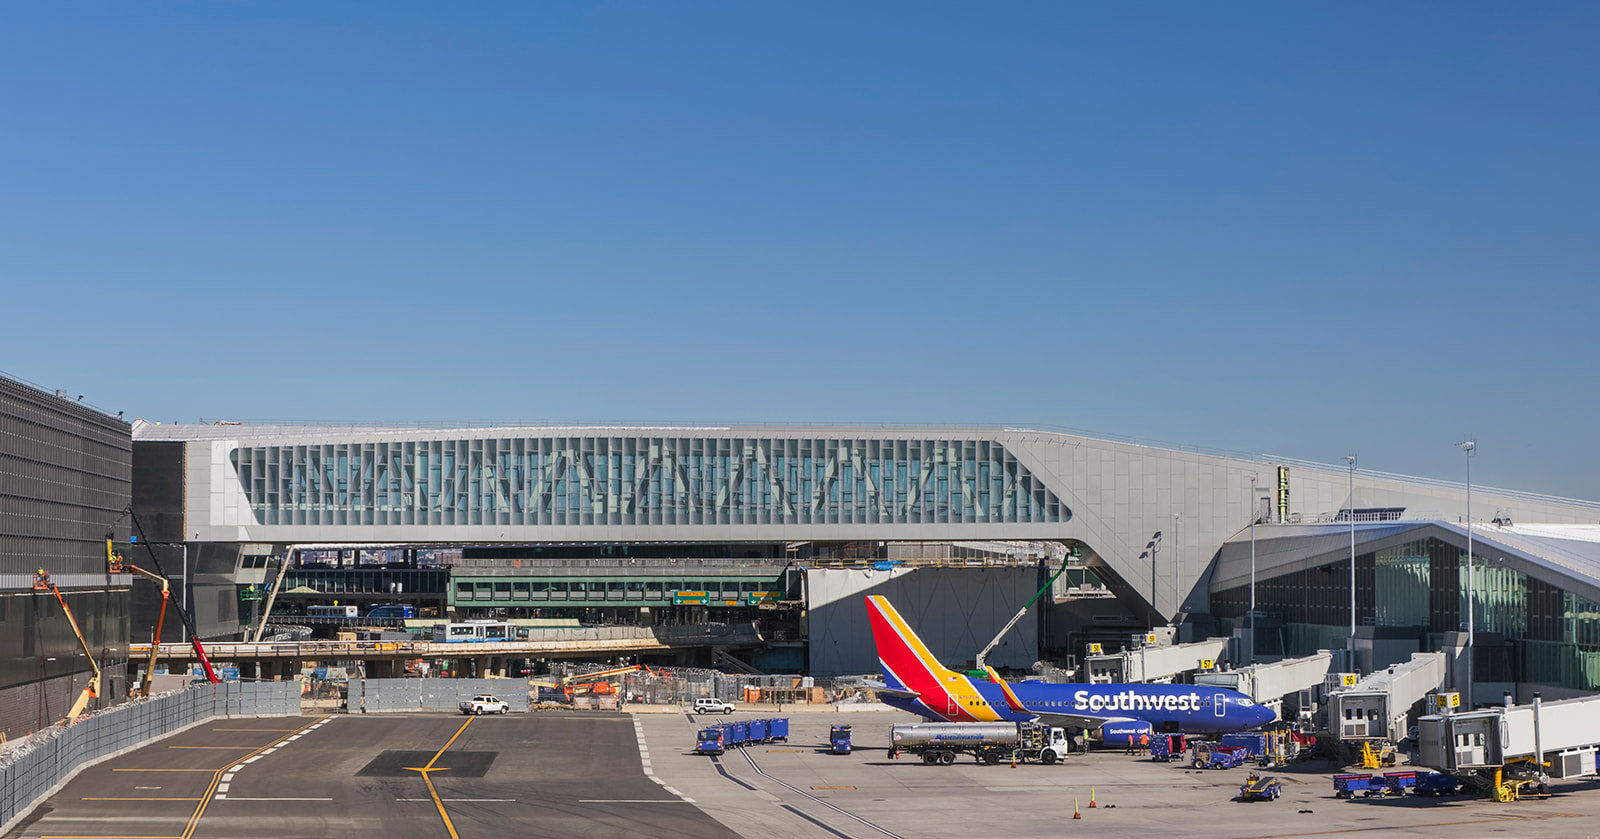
(1293, 228)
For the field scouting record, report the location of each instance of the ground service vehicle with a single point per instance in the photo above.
(1204, 754)
(1259, 788)
(711, 740)
(396, 611)
(987, 742)
(715, 739)
(713, 706)
(473, 632)
(839, 739)
(485, 703)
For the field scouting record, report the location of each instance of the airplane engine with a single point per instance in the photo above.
(1122, 734)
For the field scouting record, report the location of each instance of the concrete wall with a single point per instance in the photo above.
(956, 611)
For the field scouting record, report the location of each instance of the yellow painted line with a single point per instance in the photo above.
(833, 787)
(784, 751)
(216, 777)
(141, 799)
(430, 768)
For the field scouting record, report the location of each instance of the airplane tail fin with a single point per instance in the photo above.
(906, 661)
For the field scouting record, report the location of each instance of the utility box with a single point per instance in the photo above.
(1574, 764)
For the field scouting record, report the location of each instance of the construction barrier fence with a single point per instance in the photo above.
(33, 767)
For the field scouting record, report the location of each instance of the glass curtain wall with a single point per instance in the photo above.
(651, 480)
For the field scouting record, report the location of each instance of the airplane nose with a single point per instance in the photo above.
(1264, 715)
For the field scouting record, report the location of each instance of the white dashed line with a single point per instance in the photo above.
(649, 771)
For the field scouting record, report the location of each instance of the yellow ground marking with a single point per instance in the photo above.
(784, 751)
(833, 787)
(433, 793)
(216, 777)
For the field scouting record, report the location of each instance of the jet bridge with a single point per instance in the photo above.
(1269, 683)
(1154, 662)
(1480, 745)
(1375, 707)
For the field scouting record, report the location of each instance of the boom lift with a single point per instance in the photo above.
(586, 682)
(41, 582)
(117, 566)
(188, 622)
(978, 668)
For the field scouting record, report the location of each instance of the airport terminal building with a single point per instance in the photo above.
(1166, 532)
(65, 480)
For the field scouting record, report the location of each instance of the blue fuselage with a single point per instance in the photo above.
(1187, 709)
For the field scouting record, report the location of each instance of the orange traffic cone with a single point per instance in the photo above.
(1091, 798)
(1013, 760)
(1075, 813)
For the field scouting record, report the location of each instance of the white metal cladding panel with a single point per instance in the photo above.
(955, 611)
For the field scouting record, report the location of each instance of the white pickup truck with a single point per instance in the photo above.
(483, 703)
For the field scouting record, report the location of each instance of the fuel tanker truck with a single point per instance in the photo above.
(988, 742)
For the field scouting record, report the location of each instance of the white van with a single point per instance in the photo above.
(713, 706)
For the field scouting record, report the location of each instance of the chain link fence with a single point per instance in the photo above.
(33, 767)
(387, 696)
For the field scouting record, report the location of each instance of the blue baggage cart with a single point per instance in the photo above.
(778, 729)
(758, 731)
(1396, 783)
(1437, 783)
(1346, 786)
(741, 733)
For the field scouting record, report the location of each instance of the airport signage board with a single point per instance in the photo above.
(757, 597)
(690, 598)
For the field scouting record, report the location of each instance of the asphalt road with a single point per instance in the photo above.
(538, 775)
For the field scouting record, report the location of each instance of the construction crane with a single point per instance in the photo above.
(188, 622)
(41, 582)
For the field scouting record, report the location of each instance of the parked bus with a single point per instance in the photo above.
(468, 632)
(393, 611)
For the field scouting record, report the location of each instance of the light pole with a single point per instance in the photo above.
(1351, 459)
(1469, 446)
(1255, 514)
(1177, 568)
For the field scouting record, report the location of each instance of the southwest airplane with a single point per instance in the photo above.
(914, 681)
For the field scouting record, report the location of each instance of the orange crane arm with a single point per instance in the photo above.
(42, 580)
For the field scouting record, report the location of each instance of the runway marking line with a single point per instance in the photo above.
(216, 778)
(255, 729)
(833, 787)
(434, 793)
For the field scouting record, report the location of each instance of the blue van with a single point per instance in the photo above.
(397, 612)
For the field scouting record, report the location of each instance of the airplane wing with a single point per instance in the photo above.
(1065, 719)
